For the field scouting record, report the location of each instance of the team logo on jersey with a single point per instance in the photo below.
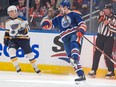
(66, 21)
(14, 26)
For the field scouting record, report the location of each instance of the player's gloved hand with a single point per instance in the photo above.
(21, 31)
(6, 41)
(80, 33)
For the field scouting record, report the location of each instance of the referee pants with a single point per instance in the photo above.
(105, 43)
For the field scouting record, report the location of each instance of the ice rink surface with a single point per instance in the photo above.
(13, 79)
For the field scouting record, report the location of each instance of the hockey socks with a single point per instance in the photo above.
(16, 64)
(33, 63)
(78, 70)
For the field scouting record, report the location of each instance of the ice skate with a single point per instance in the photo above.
(81, 79)
(37, 71)
(110, 75)
(18, 69)
(92, 74)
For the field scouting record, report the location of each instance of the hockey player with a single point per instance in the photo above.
(72, 28)
(16, 35)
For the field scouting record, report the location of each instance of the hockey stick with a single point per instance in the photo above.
(100, 50)
(32, 17)
(93, 44)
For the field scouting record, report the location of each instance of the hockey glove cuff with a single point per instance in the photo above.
(80, 33)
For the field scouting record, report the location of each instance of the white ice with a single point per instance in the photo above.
(13, 79)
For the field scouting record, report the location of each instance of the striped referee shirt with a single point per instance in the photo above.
(105, 29)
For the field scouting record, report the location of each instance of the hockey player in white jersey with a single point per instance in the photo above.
(16, 35)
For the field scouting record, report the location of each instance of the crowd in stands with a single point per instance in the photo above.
(39, 10)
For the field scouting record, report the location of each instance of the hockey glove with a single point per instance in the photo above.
(21, 31)
(6, 41)
(80, 33)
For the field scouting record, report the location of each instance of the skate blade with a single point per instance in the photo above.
(112, 77)
(39, 72)
(80, 82)
(91, 76)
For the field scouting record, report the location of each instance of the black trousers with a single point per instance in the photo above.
(105, 44)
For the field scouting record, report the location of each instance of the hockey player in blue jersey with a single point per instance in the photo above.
(16, 35)
(72, 28)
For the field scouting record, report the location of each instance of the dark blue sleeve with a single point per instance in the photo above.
(45, 23)
(78, 18)
(55, 22)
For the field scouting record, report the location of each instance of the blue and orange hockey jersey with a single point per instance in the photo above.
(69, 23)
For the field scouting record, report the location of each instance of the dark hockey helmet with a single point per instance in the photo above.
(65, 3)
(108, 6)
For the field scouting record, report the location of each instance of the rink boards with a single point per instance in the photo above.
(50, 55)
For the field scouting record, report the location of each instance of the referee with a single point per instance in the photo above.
(104, 40)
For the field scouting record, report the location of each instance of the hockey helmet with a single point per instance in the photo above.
(12, 7)
(108, 6)
(65, 3)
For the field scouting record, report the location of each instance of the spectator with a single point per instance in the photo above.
(3, 14)
(96, 3)
(85, 8)
(81, 5)
(21, 7)
(37, 9)
(76, 8)
(30, 3)
(43, 2)
(12, 2)
(3, 11)
(4, 3)
(77, 5)
(51, 4)
(36, 13)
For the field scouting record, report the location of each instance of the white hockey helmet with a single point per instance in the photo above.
(12, 7)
